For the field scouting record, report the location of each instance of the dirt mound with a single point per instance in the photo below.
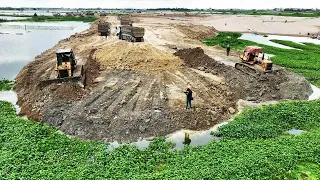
(280, 84)
(196, 57)
(141, 57)
(197, 32)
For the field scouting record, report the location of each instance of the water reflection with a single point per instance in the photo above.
(187, 139)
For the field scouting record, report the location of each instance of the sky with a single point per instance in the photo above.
(215, 4)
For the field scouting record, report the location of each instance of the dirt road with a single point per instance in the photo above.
(136, 90)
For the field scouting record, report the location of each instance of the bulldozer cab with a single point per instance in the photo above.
(65, 55)
(252, 59)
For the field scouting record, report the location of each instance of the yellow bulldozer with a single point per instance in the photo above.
(253, 61)
(66, 63)
(67, 68)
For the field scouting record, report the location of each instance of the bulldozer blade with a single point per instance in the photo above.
(77, 78)
(250, 70)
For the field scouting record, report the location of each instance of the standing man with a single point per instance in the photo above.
(228, 49)
(189, 98)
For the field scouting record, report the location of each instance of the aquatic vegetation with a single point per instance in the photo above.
(30, 150)
(273, 120)
(6, 85)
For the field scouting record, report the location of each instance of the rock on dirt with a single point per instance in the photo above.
(232, 110)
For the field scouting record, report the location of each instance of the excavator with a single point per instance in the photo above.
(253, 61)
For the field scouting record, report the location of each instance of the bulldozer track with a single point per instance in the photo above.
(247, 69)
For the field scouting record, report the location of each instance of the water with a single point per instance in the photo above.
(141, 144)
(294, 39)
(193, 138)
(295, 132)
(266, 40)
(27, 12)
(19, 47)
(13, 18)
(316, 93)
(262, 40)
(11, 97)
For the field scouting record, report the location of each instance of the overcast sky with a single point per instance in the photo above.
(215, 4)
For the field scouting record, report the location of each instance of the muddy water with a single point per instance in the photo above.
(18, 47)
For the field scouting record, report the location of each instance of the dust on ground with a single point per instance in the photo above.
(137, 90)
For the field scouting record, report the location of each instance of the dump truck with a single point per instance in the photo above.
(253, 61)
(131, 33)
(125, 21)
(67, 68)
(103, 14)
(104, 29)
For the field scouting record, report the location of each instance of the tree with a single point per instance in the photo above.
(35, 15)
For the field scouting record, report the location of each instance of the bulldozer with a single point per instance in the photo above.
(66, 63)
(253, 61)
(67, 69)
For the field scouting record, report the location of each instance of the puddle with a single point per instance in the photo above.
(180, 138)
(142, 145)
(316, 93)
(295, 131)
(262, 40)
(11, 97)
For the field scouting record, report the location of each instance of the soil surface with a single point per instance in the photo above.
(137, 90)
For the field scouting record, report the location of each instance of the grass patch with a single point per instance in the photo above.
(304, 59)
(30, 150)
(6, 85)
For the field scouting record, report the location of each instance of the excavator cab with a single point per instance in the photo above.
(66, 63)
(253, 61)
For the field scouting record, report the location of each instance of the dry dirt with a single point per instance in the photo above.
(141, 57)
(136, 90)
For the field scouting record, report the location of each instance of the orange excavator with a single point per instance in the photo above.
(253, 61)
